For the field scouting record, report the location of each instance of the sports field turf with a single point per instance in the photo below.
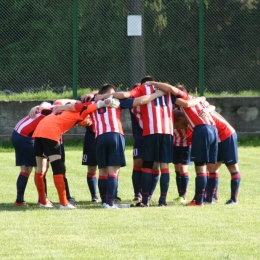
(216, 231)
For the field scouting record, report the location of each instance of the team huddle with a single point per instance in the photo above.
(168, 126)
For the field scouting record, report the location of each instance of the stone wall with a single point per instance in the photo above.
(241, 112)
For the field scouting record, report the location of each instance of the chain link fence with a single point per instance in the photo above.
(37, 44)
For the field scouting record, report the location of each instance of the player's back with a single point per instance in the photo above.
(56, 124)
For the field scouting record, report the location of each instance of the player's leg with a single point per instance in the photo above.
(89, 159)
(212, 184)
(234, 183)
(24, 157)
(155, 178)
(164, 156)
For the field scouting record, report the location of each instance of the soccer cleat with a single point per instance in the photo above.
(141, 205)
(117, 199)
(229, 202)
(19, 204)
(69, 206)
(47, 205)
(193, 203)
(94, 199)
(72, 200)
(106, 206)
(162, 205)
(138, 199)
(180, 200)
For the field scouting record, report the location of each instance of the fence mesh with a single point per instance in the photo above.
(37, 44)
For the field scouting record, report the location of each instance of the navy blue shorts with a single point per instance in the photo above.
(110, 150)
(181, 154)
(158, 148)
(138, 148)
(227, 150)
(204, 144)
(89, 149)
(24, 150)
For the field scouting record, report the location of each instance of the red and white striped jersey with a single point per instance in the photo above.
(157, 116)
(137, 112)
(107, 119)
(192, 113)
(182, 137)
(27, 125)
(225, 130)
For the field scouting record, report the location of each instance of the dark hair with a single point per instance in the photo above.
(147, 78)
(177, 115)
(182, 87)
(106, 88)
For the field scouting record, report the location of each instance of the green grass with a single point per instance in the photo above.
(50, 95)
(175, 232)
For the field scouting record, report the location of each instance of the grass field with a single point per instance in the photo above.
(216, 231)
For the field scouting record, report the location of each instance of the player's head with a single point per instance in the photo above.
(147, 78)
(182, 87)
(180, 120)
(107, 89)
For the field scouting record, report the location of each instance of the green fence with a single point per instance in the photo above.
(55, 44)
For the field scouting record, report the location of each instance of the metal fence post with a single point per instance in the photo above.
(201, 48)
(75, 48)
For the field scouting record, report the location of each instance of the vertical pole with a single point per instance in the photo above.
(75, 48)
(201, 48)
(137, 47)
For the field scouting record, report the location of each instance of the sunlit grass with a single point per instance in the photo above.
(214, 232)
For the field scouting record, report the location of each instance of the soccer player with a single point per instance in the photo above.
(137, 131)
(228, 154)
(24, 153)
(158, 136)
(181, 157)
(47, 145)
(204, 140)
(89, 157)
(110, 143)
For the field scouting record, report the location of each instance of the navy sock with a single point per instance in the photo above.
(102, 186)
(235, 182)
(137, 180)
(178, 181)
(92, 184)
(112, 183)
(164, 185)
(155, 179)
(147, 182)
(212, 186)
(201, 182)
(21, 184)
(184, 181)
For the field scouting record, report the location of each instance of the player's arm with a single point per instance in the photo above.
(118, 95)
(65, 101)
(207, 110)
(189, 103)
(89, 96)
(147, 98)
(34, 111)
(164, 87)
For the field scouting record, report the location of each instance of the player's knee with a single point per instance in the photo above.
(58, 167)
(148, 165)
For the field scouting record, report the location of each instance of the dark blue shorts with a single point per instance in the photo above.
(89, 149)
(227, 150)
(204, 144)
(181, 154)
(158, 148)
(138, 148)
(24, 150)
(110, 150)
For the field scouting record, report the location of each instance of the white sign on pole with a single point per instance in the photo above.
(134, 25)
